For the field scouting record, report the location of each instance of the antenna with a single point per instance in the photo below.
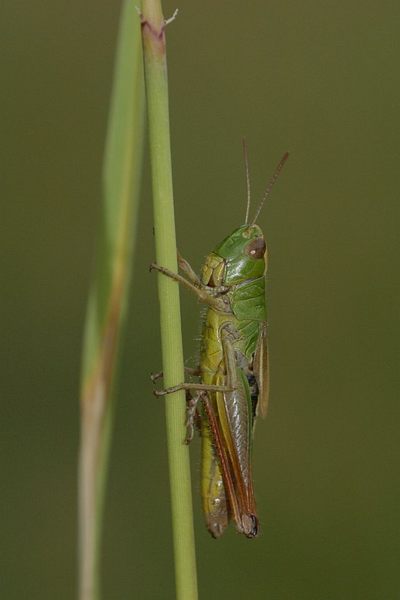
(246, 168)
(271, 184)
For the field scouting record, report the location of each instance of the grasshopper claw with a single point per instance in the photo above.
(155, 376)
(159, 393)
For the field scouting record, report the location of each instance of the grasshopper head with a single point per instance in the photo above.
(243, 254)
(239, 257)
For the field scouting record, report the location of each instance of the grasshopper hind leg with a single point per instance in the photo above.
(192, 415)
(214, 499)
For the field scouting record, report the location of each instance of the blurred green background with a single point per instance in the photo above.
(319, 79)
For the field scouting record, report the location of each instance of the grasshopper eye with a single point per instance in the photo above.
(256, 249)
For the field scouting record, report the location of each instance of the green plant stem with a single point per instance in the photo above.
(153, 34)
(108, 294)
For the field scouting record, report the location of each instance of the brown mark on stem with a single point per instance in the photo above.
(95, 405)
(154, 34)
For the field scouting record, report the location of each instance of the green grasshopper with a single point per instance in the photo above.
(233, 370)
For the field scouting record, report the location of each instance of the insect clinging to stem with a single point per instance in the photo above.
(233, 370)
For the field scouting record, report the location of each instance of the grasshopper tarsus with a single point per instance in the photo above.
(155, 376)
(191, 412)
(189, 436)
(159, 393)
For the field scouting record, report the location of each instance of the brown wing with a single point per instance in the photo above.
(261, 370)
(214, 498)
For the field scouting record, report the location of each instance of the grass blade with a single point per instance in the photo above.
(108, 294)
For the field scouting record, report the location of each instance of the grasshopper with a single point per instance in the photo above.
(233, 369)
